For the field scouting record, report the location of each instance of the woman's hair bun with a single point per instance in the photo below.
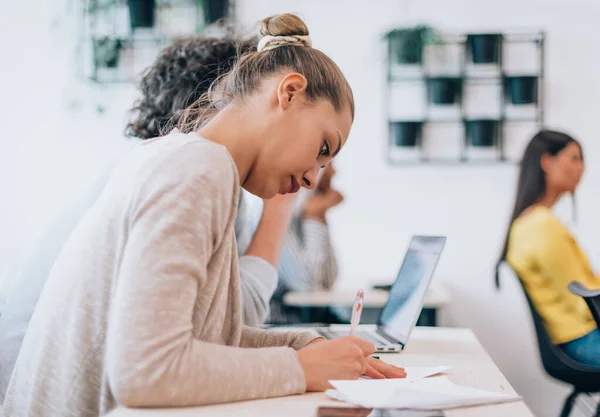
(283, 30)
(286, 24)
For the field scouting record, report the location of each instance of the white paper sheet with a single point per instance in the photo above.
(413, 393)
(419, 372)
(412, 373)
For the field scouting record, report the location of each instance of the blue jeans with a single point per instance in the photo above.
(585, 350)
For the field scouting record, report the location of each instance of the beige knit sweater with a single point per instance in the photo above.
(142, 307)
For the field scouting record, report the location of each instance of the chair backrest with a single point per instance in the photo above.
(591, 297)
(556, 362)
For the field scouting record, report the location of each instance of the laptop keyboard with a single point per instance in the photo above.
(364, 335)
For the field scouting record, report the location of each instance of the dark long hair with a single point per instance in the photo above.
(180, 75)
(532, 180)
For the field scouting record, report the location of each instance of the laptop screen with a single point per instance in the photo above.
(400, 313)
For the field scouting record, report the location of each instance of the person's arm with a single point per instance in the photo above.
(309, 261)
(312, 262)
(270, 233)
(153, 358)
(258, 266)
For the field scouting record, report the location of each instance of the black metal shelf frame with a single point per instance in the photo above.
(467, 75)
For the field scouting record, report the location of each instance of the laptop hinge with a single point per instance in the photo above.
(388, 337)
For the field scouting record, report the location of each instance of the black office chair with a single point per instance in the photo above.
(584, 379)
(591, 297)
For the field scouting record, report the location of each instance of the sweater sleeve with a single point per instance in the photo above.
(308, 261)
(319, 254)
(152, 357)
(258, 281)
(252, 337)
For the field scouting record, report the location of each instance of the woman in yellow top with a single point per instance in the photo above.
(543, 252)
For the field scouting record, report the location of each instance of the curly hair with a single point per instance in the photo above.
(181, 74)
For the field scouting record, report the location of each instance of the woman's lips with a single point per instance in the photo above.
(295, 186)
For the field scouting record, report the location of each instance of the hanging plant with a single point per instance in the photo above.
(141, 13)
(406, 133)
(408, 44)
(107, 52)
(445, 90)
(214, 10)
(522, 89)
(485, 48)
(95, 6)
(482, 132)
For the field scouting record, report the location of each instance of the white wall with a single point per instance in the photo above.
(53, 142)
(384, 204)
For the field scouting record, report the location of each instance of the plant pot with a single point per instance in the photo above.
(405, 133)
(406, 45)
(482, 133)
(215, 10)
(141, 13)
(404, 51)
(522, 89)
(444, 90)
(484, 48)
(107, 52)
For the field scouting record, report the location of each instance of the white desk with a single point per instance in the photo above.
(436, 297)
(458, 348)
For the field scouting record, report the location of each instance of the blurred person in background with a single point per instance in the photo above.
(308, 261)
(543, 252)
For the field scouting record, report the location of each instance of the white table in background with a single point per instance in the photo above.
(435, 297)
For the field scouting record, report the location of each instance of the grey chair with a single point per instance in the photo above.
(591, 297)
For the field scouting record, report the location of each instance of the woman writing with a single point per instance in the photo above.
(142, 307)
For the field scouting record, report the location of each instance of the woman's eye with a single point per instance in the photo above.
(325, 151)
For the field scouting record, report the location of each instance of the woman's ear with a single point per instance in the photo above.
(290, 88)
(546, 162)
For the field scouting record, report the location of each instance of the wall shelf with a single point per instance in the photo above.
(111, 51)
(453, 109)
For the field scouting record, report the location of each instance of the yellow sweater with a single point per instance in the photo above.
(547, 258)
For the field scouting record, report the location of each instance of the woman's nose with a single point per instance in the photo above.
(309, 179)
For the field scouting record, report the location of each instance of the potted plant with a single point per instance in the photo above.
(406, 45)
(214, 10)
(101, 14)
(141, 13)
(482, 132)
(444, 90)
(484, 48)
(406, 133)
(107, 52)
(522, 89)
(94, 6)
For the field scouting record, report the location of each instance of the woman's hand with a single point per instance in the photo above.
(343, 358)
(316, 207)
(378, 369)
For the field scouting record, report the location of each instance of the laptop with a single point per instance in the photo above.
(403, 307)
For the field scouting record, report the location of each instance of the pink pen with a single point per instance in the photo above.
(356, 311)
